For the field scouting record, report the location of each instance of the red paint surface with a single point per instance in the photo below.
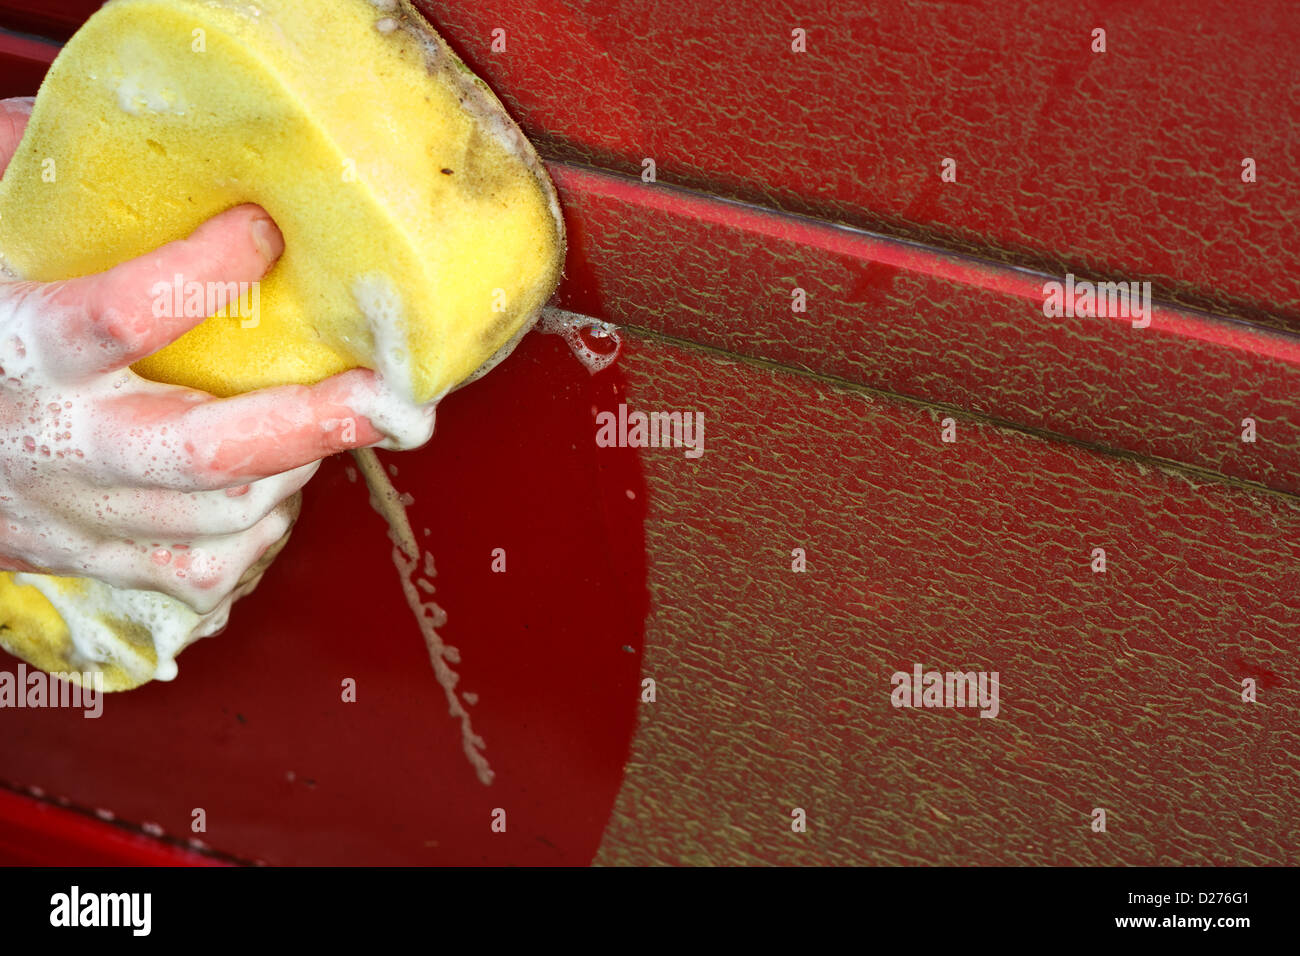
(38, 832)
(1066, 162)
(1125, 164)
(57, 20)
(920, 322)
(23, 62)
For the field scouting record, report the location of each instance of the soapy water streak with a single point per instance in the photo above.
(407, 557)
(571, 325)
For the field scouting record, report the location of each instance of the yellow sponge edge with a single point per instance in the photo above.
(34, 631)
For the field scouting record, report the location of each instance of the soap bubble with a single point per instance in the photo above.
(570, 326)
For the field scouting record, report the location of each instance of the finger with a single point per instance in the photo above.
(200, 575)
(235, 510)
(164, 519)
(219, 563)
(130, 311)
(14, 114)
(273, 430)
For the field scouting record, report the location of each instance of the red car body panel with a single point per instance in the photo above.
(817, 170)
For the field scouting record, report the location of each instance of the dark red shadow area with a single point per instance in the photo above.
(255, 732)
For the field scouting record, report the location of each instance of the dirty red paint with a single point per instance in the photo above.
(1264, 677)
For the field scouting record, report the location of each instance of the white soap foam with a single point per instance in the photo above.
(571, 325)
(381, 304)
(416, 570)
(138, 80)
(90, 609)
(139, 94)
(393, 410)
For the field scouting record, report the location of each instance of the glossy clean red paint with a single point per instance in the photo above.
(256, 733)
(55, 20)
(25, 60)
(37, 831)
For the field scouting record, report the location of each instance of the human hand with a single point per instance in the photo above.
(140, 485)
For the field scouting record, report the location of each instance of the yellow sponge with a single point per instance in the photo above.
(422, 234)
(392, 172)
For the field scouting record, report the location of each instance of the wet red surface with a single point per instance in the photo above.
(255, 730)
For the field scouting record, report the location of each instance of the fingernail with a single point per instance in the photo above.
(267, 238)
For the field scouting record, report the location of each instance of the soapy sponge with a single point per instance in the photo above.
(421, 231)
(422, 235)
